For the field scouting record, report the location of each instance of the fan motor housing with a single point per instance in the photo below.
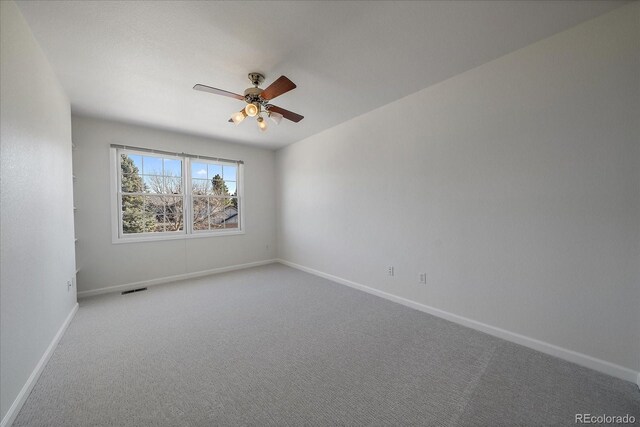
(252, 95)
(252, 91)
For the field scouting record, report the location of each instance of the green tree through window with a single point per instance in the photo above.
(221, 189)
(135, 218)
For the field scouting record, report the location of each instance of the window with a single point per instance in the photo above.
(214, 190)
(151, 198)
(162, 196)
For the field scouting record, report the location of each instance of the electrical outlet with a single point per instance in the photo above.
(423, 278)
(391, 271)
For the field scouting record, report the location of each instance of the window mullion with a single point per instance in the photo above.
(187, 209)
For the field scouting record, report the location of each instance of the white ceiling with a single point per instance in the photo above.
(138, 61)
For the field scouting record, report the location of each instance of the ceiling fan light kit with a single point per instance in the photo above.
(262, 125)
(238, 116)
(257, 101)
(252, 109)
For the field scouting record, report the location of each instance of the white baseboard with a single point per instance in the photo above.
(544, 347)
(167, 279)
(15, 407)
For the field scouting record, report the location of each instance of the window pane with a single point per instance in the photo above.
(173, 185)
(154, 205)
(199, 170)
(135, 218)
(200, 186)
(233, 202)
(132, 183)
(172, 167)
(200, 224)
(130, 173)
(219, 187)
(231, 224)
(130, 163)
(159, 224)
(230, 173)
(215, 213)
(216, 204)
(221, 210)
(153, 184)
(215, 170)
(174, 217)
(200, 213)
(216, 219)
(151, 165)
(137, 161)
(231, 186)
(232, 218)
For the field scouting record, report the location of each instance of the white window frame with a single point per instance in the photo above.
(117, 235)
(191, 196)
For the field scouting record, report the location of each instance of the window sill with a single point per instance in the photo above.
(117, 241)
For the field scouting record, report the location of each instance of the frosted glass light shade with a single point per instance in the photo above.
(262, 125)
(251, 110)
(238, 117)
(275, 117)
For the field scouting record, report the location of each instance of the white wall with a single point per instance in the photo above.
(515, 186)
(37, 250)
(104, 264)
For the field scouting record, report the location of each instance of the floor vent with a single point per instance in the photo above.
(133, 290)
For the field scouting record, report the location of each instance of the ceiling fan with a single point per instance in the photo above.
(257, 100)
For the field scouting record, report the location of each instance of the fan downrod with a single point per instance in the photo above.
(256, 78)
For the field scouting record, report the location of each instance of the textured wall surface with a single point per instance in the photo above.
(37, 249)
(514, 186)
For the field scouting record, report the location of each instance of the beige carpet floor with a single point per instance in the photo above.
(273, 346)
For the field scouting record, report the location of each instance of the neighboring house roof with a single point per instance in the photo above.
(230, 215)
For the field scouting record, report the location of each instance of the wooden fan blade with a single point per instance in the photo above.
(210, 89)
(277, 88)
(289, 115)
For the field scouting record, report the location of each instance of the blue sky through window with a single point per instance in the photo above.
(209, 170)
(199, 170)
(151, 165)
(215, 170)
(230, 173)
(172, 167)
(137, 161)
